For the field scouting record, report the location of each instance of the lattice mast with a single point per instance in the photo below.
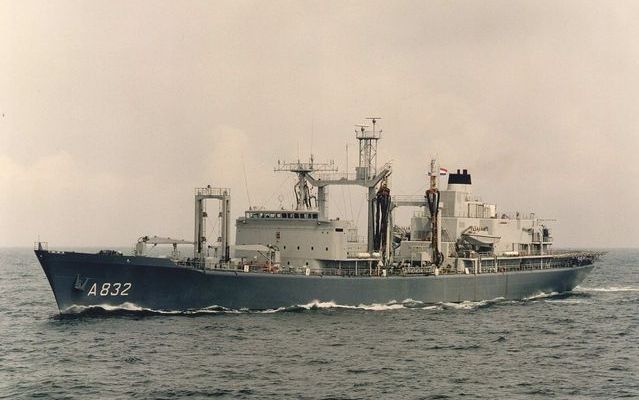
(378, 201)
(367, 168)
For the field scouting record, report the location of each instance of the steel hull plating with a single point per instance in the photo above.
(79, 279)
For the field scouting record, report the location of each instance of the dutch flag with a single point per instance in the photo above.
(442, 171)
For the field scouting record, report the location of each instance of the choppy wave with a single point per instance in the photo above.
(571, 297)
(542, 296)
(471, 305)
(408, 304)
(565, 301)
(607, 289)
(316, 304)
(134, 309)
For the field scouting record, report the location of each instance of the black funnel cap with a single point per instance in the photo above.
(460, 178)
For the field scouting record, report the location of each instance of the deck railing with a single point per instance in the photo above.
(211, 191)
(40, 245)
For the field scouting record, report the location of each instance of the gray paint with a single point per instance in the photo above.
(159, 284)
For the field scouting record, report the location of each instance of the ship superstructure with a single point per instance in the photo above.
(449, 230)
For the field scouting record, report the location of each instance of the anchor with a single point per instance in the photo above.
(80, 285)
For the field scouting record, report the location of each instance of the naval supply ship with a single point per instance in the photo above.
(457, 248)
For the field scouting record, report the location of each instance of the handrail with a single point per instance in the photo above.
(211, 191)
(40, 245)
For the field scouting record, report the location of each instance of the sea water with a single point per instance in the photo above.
(579, 345)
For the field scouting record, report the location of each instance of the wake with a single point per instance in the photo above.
(126, 309)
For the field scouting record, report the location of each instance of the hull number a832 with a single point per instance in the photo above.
(110, 289)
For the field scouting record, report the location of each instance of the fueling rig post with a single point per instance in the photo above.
(432, 201)
(201, 195)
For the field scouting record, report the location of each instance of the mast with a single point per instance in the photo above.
(366, 171)
(368, 139)
(366, 175)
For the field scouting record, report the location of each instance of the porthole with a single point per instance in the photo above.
(298, 247)
(312, 248)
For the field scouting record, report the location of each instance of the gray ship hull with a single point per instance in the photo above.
(85, 280)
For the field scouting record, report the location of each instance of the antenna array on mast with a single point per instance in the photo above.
(367, 138)
(302, 190)
(305, 167)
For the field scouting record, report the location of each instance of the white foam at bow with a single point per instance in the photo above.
(541, 295)
(76, 309)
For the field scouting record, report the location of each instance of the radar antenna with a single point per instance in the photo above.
(303, 196)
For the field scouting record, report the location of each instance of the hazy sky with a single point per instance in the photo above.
(111, 112)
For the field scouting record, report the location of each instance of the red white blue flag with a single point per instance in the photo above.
(442, 171)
